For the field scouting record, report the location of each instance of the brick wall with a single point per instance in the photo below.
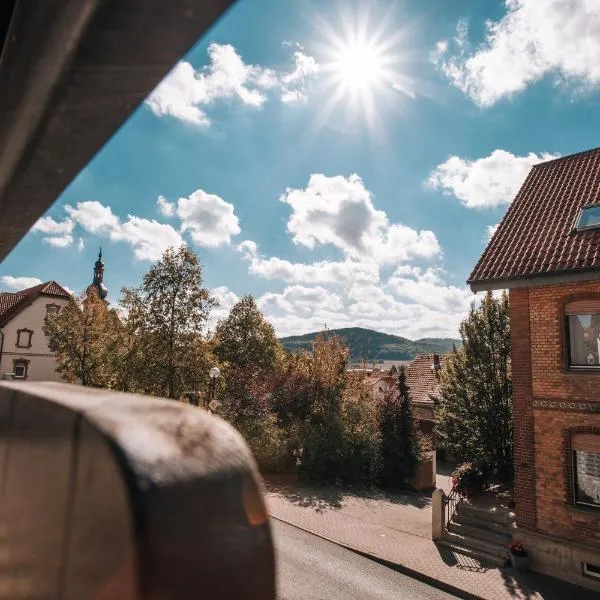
(525, 497)
(543, 469)
(549, 363)
(557, 514)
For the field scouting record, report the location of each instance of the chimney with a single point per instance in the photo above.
(436, 363)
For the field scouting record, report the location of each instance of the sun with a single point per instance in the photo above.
(359, 66)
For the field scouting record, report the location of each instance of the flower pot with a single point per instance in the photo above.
(520, 563)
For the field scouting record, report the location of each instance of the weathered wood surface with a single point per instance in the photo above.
(114, 496)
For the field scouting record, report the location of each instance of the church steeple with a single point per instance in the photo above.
(98, 281)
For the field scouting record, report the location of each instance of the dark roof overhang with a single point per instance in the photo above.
(71, 72)
(537, 280)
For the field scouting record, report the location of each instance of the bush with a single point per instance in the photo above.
(468, 479)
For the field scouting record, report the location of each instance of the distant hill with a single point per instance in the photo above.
(373, 345)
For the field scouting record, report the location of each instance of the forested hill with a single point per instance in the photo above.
(368, 344)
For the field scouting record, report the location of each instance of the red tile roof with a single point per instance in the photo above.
(537, 235)
(421, 378)
(12, 303)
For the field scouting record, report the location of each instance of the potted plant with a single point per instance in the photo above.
(519, 558)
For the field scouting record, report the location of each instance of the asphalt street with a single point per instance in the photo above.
(311, 568)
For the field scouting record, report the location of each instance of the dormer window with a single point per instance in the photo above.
(589, 217)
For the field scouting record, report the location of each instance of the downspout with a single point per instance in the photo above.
(1, 348)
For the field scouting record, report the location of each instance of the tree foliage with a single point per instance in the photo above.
(400, 449)
(168, 315)
(246, 340)
(322, 432)
(474, 415)
(84, 335)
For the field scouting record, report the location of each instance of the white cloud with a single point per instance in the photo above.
(93, 217)
(226, 300)
(426, 288)
(532, 40)
(210, 220)
(50, 226)
(62, 241)
(413, 302)
(148, 238)
(345, 273)
(486, 182)
(80, 244)
(185, 90)
(303, 299)
(294, 83)
(185, 93)
(60, 231)
(339, 211)
(167, 209)
(491, 230)
(19, 283)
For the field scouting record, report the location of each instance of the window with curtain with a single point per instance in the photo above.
(586, 467)
(583, 327)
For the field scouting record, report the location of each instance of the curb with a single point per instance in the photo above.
(436, 583)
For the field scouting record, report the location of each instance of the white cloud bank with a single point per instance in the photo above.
(339, 211)
(486, 182)
(18, 283)
(533, 39)
(148, 238)
(185, 92)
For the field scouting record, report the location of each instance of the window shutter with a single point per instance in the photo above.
(583, 307)
(586, 442)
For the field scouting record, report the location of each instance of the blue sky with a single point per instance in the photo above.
(343, 166)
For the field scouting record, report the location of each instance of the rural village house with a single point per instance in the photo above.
(546, 251)
(23, 346)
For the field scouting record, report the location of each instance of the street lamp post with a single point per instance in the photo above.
(214, 374)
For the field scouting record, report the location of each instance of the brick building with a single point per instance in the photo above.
(422, 377)
(546, 251)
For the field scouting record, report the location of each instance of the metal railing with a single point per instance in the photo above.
(451, 502)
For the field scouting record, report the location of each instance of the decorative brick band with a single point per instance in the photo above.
(26, 354)
(593, 407)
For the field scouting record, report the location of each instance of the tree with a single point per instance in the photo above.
(169, 313)
(400, 451)
(246, 340)
(394, 370)
(82, 334)
(322, 431)
(474, 414)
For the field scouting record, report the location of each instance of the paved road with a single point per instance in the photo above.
(310, 568)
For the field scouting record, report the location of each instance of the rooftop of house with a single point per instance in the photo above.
(422, 378)
(538, 240)
(12, 303)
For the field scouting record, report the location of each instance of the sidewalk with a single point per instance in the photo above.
(396, 530)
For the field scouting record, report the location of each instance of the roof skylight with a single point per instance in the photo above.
(589, 217)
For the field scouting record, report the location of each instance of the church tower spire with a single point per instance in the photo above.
(98, 281)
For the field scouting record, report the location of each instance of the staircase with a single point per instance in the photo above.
(483, 533)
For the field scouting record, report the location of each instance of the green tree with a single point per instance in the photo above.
(400, 449)
(246, 340)
(474, 413)
(167, 316)
(82, 335)
(322, 431)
